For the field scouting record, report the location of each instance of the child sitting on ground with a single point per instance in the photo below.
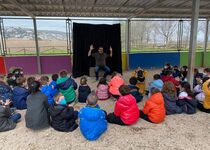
(156, 83)
(92, 119)
(184, 71)
(5, 90)
(176, 72)
(53, 84)
(63, 116)
(154, 109)
(198, 90)
(170, 99)
(134, 90)
(30, 80)
(67, 86)
(114, 84)
(168, 76)
(46, 89)
(20, 94)
(8, 119)
(205, 106)
(126, 110)
(102, 91)
(186, 99)
(140, 74)
(84, 90)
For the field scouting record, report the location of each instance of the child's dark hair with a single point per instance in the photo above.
(154, 90)
(187, 88)
(102, 81)
(140, 73)
(156, 77)
(114, 74)
(124, 90)
(34, 87)
(207, 70)
(54, 77)
(30, 80)
(63, 73)
(168, 72)
(44, 80)
(83, 80)
(133, 81)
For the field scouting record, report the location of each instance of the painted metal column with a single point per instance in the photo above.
(37, 47)
(193, 40)
(128, 42)
(3, 46)
(205, 42)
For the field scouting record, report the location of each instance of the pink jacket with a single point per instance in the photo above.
(102, 92)
(114, 85)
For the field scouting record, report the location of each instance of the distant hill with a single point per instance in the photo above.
(26, 33)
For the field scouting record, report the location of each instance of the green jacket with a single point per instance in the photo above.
(67, 87)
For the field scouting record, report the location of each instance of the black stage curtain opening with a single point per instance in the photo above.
(99, 35)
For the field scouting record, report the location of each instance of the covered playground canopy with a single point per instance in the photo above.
(127, 9)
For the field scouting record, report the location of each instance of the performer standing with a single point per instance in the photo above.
(100, 60)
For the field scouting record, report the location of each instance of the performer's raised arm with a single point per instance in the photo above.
(110, 48)
(90, 50)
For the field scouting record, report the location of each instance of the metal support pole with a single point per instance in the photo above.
(128, 42)
(193, 40)
(37, 47)
(205, 42)
(3, 46)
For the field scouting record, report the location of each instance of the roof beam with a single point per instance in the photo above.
(157, 3)
(23, 9)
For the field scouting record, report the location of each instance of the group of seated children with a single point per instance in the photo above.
(52, 103)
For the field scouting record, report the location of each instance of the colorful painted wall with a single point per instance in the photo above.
(49, 64)
(53, 64)
(157, 60)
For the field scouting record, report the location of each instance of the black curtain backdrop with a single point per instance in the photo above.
(99, 35)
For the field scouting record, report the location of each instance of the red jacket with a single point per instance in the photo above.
(114, 85)
(126, 108)
(170, 78)
(155, 108)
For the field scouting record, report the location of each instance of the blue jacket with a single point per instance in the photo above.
(5, 92)
(47, 90)
(54, 89)
(92, 122)
(20, 95)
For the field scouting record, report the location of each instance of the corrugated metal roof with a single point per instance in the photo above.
(103, 8)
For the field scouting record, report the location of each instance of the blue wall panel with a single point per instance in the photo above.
(153, 60)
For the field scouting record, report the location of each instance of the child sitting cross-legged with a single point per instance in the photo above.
(126, 110)
(102, 91)
(186, 99)
(84, 90)
(67, 86)
(92, 119)
(47, 89)
(53, 84)
(154, 109)
(63, 116)
(134, 90)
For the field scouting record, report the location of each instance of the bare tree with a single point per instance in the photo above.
(166, 29)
